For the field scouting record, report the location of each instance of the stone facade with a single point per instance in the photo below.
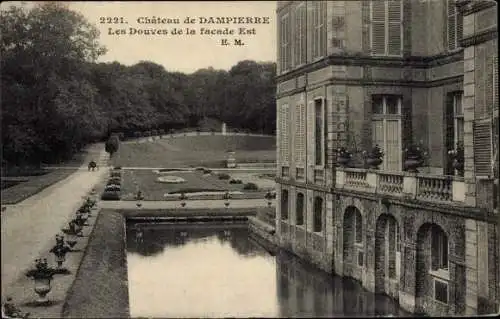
(396, 207)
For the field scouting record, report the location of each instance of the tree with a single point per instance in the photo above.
(112, 145)
(45, 54)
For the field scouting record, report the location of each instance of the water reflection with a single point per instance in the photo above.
(305, 291)
(217, 271)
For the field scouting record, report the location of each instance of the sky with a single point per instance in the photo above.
(184, 53)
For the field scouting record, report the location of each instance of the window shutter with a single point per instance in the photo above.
(310, 133)
(378, 27)
(452, 25)
(395, 27)
(299, 134)
(495, 82)
(482, 148)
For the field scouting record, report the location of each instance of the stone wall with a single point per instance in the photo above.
(100, 289)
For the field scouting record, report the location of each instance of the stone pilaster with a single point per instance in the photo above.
(468, 107)
(471, 280)
(407, 280)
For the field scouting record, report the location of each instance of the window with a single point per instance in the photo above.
(454, 126)
(284, 204)
(318, 214)
(299, 209)
(360, 258)
(439, 249)
(458, 115)
(387, 27)
(285, 47)
(300, 46)
(284, 130)
(454, 25)
(319, 149)
(319, 29)
(386, 129)
(300, 131)
(358, 226)
(392, 229)
(441, 291)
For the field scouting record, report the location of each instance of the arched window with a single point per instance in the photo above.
(300, 209)
(439, 248)
(318, 213)
(358, 222)
(284, 205)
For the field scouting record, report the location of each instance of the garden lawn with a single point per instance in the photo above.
(31, 185)
(194, 151)
(153, 190)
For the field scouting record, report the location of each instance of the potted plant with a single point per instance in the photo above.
(183, 199)
(71, 239)
(415, 156)
(60, 250)
(139, 197)
(82, 216)
(226, 198)
(269, 196)
(343, 157)
(375, 157)
(42, 275)
(457, 157)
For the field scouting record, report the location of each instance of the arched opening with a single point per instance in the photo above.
(432, 266)
(284, 204)
(353, 253)
(387, 252)
(299, 212)
(318, 214)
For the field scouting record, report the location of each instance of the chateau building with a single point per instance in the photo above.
(396, 74)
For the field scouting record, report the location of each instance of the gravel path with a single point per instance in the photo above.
(29, 227)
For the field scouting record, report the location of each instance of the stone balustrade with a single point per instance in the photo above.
(424, 187)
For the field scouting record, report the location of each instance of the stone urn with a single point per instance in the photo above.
(374, 163)
(343, 157)
(459, 166)
(412, 163)
(42, 276)
(60, 250)
(226, 198)
(183, 199)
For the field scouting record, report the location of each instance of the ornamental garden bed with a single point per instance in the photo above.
(194, 182)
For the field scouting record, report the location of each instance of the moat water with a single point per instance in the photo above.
(209, 270)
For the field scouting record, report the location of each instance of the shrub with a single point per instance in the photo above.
(161, 131)
(115, 180)
(154, 132)
(224, 176)
(207, 171)
(199, 169)
(137, 134)
(250, 187)
(110, 195)
(117, 168)
(112, 188)
(121, 136)
(116, 174)
(235, 181)
(112, 145)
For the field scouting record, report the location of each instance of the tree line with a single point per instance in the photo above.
(56, 98)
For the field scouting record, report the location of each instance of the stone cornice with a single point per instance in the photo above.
(366, 60)
(468, 7)
(447, 208)
(480, 37)
(377, 82)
